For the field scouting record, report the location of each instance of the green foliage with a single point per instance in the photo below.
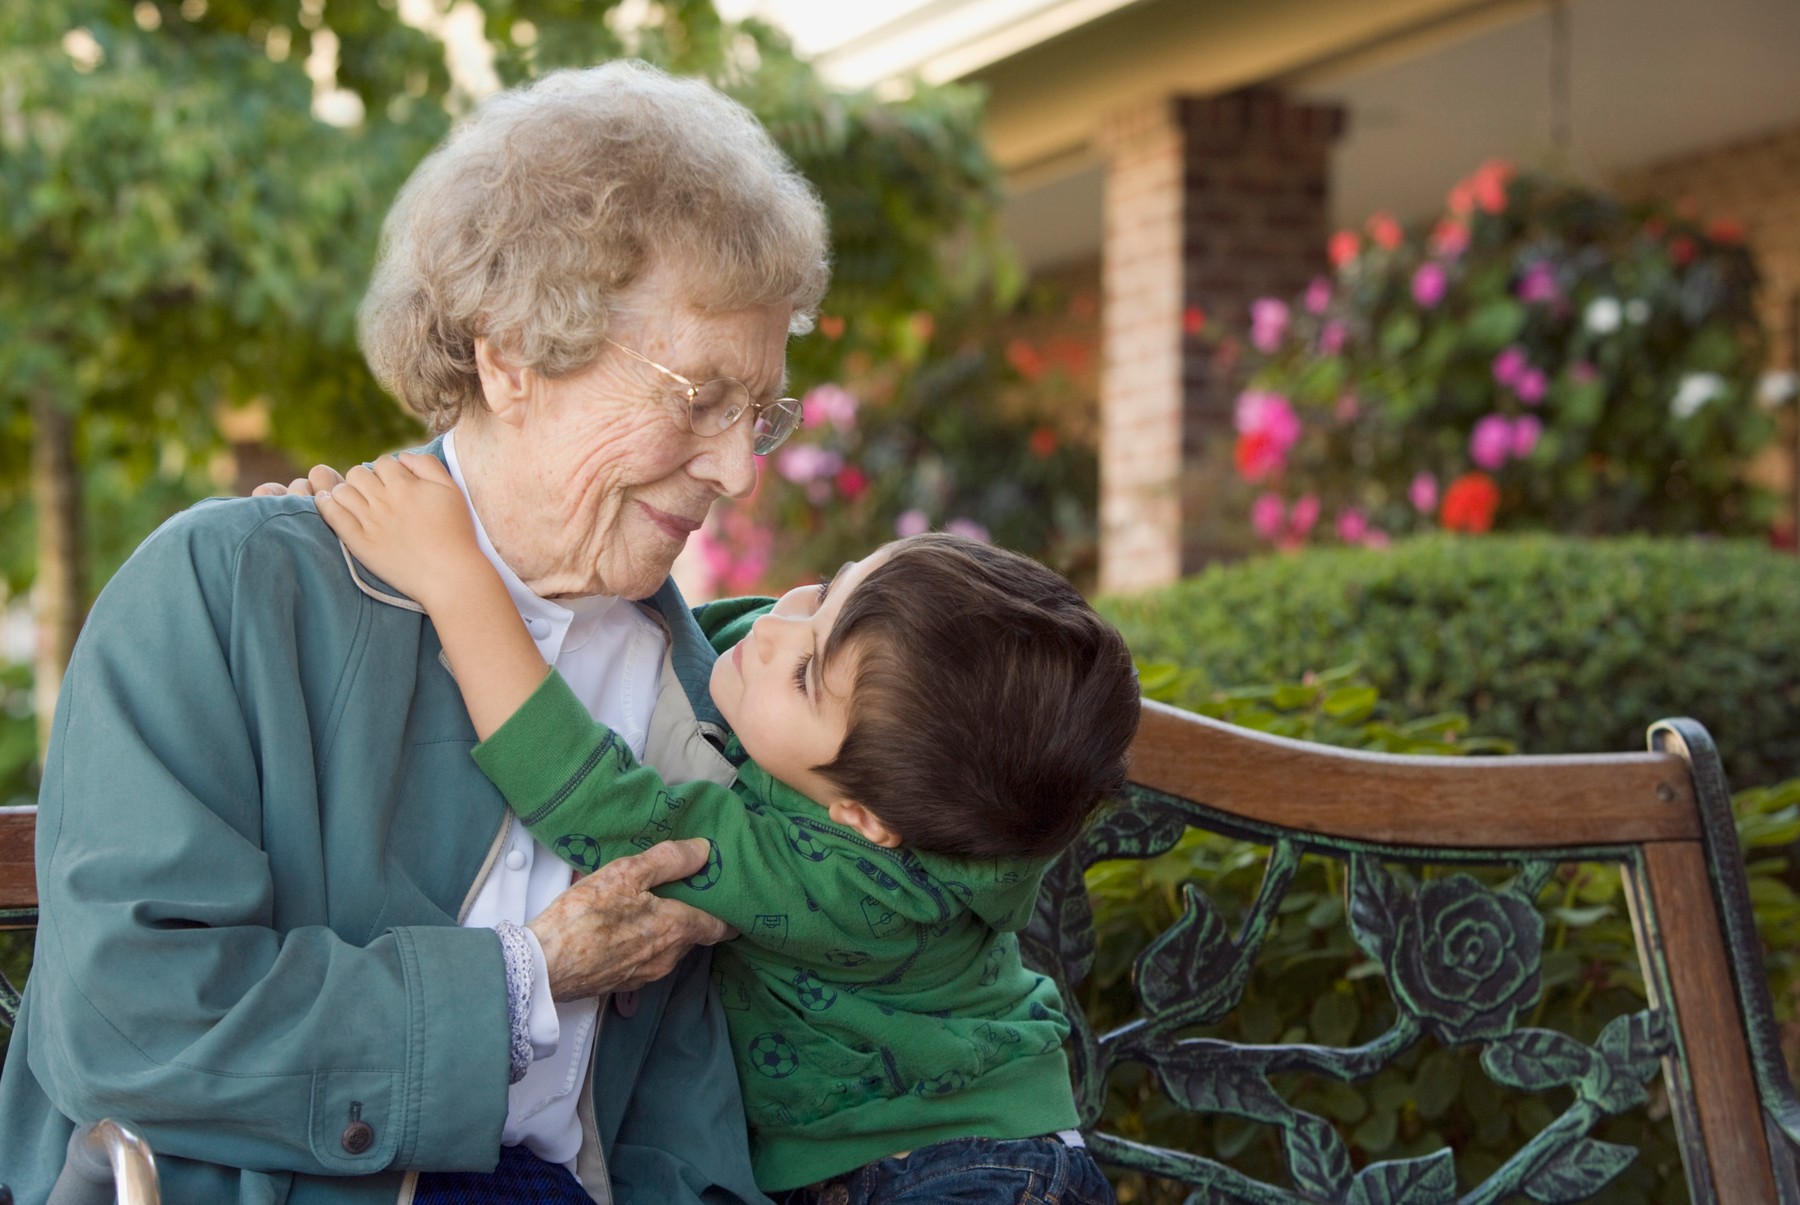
(1559, 645)
(1313, 983)
(1595, 361)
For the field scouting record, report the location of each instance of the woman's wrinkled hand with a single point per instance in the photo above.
(608, 933)
(320, 479)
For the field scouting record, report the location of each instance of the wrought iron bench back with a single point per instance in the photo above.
(1461, 957)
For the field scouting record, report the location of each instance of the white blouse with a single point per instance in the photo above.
(611, 655)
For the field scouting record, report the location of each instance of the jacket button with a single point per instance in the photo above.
(358, 1137)
(625, 1003)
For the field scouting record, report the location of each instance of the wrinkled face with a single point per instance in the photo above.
(788, 715)
(600, 478)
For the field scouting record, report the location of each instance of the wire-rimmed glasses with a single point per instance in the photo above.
(715, 405)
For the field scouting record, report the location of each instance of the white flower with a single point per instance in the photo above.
(1776, 388)
(1696, 389)
(1637, 311)
(1602, 315)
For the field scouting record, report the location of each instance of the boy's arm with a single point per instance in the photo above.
(406, 520)
(580, 791)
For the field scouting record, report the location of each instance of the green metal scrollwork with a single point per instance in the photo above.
(1462, 961)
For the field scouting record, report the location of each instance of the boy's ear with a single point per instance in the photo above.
(503, 383)
(860, 818)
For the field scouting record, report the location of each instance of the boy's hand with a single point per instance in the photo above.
(318, 480)
(406, 520)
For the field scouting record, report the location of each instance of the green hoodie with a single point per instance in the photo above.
(876, 1001)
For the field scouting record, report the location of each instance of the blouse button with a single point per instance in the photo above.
(539, 628)
(515, 859)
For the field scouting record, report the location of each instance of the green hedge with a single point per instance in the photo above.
(1560, 645)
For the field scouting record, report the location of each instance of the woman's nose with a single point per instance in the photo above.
(728, 462)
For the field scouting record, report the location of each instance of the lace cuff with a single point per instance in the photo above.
(517, 949)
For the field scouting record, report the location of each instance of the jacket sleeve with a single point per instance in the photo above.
(582, 793)
(173, 984)
(728, 621)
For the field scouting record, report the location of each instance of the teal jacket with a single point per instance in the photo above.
(259, 825)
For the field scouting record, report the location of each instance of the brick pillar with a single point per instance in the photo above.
(1209, 203)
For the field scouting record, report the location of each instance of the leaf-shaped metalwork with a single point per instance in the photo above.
(1536, 1059)
(1190, 963)
(1207, 1076)
(1317, 1158)
(1141, 827)
(1579, 1172)
(1637, 1042)
(1060, 938)
(1430, 1180)
(1375, 902)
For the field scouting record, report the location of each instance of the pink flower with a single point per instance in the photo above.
(1531, 385)
(828, 404)
(1376, 538)
(1344, 247)
(1509, 364)
(1352, 525)
(912, 523)
(1267, 514)
(1428, 284)
(1347, 408)
(1423, 493)
(1450, 238)
(1331, 337)
(969, 529)
(1539, 284)
(1491, 442)
(805, 463)
(1260, 412)
(1318, 295)
(852, 482)
(1305, 514)
(1525, 431)
(1268, 323)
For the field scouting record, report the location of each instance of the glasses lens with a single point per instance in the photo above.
(717, 404)
(776, 422)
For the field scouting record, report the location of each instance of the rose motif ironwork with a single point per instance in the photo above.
(1464, 960)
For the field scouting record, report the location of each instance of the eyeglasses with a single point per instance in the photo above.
(715, 405)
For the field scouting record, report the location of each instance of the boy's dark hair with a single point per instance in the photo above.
(992, 708)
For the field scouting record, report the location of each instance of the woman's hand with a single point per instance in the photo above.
(607, 933)
(406, 520)
(321, 478)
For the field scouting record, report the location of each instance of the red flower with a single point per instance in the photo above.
(1025, 358)
(1385, 231)
(1726, 230)
(1258, 455)
(1682, 249)
(830, 325)
(1042, 442)
(1344, 247)
(852, 482)
(1193, 320)
(1469, 504)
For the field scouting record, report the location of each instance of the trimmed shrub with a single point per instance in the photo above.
(1559, 645)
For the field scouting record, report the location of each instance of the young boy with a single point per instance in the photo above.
(917, 737)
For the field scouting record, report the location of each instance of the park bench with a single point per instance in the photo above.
(1460, 952)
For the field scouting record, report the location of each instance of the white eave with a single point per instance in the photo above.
(944, 40)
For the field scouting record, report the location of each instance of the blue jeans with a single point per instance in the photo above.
(969, 1171)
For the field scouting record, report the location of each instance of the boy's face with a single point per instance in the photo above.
(789, 717)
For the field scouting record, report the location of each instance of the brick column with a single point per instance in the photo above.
(1208, 204)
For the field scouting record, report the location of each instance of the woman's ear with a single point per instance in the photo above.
(860, 818)
(503, 383)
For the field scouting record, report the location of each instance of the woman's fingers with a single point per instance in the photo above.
(318, 480)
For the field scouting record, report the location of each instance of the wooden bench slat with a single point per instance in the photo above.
(1510, 803)
(18, 879)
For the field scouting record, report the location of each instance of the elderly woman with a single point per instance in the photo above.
(288, 927)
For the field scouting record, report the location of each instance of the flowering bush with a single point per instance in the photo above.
(1542, 356)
